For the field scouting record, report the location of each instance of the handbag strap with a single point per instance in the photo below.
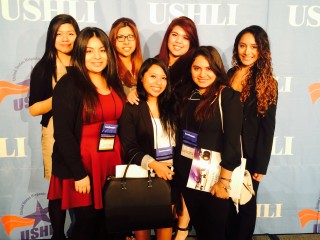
(124, 179)
(220, 107)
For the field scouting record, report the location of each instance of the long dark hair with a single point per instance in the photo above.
(178, 68)
(207, 105)
(260, 75)
(48, 60)
(167, 115)
(87, 88)
(136, 57)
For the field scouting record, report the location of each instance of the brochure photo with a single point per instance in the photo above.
(205, 169)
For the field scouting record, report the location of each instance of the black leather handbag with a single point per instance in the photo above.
(137, 203)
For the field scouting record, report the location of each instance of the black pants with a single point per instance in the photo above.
(57, 218)
(241, 225)
(208, 214)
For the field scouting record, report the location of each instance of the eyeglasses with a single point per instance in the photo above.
(122, 38)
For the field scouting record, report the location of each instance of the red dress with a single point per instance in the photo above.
(99, 165)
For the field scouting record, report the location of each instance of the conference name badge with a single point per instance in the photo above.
(164, 154)
(189, 143)
(107, 137)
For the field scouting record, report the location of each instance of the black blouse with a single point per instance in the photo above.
(210, 133)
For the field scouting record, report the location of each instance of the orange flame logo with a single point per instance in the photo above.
(7, 88)
(10, 222)
(314, 90)
(307, 215)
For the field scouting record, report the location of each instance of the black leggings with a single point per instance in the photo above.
(241, 225)
(208, 214)
(57, 218)
(89, 224)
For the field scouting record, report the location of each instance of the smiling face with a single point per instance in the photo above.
(154, 81)
(248, 50)
(202, 74)
(178, 43)
(96, 56)
(125, 48)
(65, 38)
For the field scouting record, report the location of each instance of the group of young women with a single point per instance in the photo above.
(102, 82)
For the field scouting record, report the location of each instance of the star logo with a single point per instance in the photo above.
(41, 214)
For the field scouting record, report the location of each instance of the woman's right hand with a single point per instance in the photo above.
(220, 190)
(133, 97)
(83, 185)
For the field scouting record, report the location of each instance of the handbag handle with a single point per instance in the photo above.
(124, 179)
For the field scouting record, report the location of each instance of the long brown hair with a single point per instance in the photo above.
(260, 76)
(207, 105)
(128, 79)
(188, 26)
(87, 88)
(178, 69)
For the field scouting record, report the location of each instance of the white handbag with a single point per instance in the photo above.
(240, 193)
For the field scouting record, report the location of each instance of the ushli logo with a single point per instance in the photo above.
(19, 85)
(8, 88)
(12, 222)
(307, 215)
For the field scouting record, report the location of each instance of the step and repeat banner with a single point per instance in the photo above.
(289, 196)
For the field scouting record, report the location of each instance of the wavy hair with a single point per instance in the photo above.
(260, 76)
(136, 57)
(207, 105)
(167, 114)
(87, 88)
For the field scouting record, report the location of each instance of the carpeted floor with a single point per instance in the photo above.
(279, 237)
(288, 237)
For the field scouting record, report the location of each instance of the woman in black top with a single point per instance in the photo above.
(200, 115)
(86, 101)
(61, 34)
(150, 126)
(252, 77)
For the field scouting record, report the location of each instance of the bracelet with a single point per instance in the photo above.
(225, 187)
(227, 179)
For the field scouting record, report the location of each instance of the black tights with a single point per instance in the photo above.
(57, 218)
(89, 224)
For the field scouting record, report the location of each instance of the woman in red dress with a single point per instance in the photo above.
(87, 103)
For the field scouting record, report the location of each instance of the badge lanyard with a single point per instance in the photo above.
(164, 153)
(190, 139)
(108, 131)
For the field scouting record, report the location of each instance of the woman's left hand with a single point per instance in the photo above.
(220, 191)
(162, 169)
(83, 185)
(133, 97)
(257, 176)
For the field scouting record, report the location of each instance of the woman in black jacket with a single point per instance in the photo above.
(86, 101)
(150, 126)
(202, 127)
(252, 76)
(62, 32)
